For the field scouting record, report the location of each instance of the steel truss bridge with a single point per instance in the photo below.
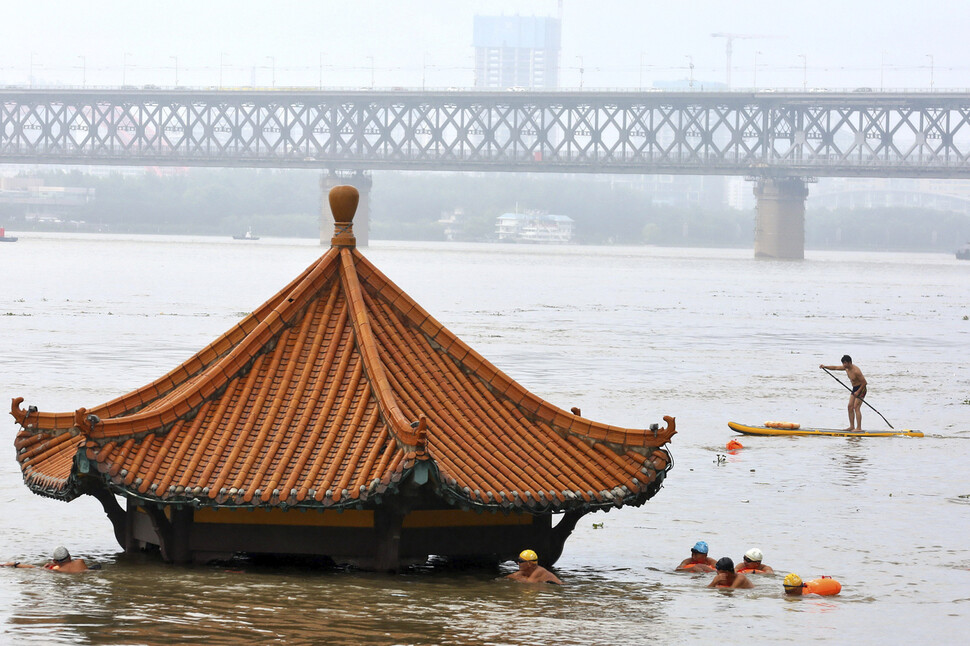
(766, 134)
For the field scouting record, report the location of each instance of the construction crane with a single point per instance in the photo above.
(729, 38)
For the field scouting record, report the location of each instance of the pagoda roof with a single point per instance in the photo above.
(330, 394)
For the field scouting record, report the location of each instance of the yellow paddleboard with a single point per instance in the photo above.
(764, 430)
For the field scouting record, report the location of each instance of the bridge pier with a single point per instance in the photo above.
(779, 230)
(362, 182)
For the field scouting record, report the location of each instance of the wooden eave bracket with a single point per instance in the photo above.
(18, 413)
(659, 438)
(57, 423)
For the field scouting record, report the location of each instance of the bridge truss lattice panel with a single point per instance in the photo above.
(762, 134)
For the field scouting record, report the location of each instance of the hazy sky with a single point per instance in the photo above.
(357, 43)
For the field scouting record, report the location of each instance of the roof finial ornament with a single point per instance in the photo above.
(343, 205)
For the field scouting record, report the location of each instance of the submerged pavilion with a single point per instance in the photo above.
(339, 419)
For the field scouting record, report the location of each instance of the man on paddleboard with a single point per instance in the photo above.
(858, 390)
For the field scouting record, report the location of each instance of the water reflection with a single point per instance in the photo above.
(152, 603)
(851, 462)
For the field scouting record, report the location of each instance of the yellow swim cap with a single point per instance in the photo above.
(792, 581)
(528, 555)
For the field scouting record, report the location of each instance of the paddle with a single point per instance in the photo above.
(863, 401)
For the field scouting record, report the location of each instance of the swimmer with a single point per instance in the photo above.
(826, 586)
(531, 572)
(752, 563)
(61, 561)
(699, 561)
(726, 577)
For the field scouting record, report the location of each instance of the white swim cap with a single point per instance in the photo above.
(754, 554)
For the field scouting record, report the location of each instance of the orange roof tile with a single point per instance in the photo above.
(330, 394)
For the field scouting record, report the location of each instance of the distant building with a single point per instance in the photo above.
(449, 223)
(42, 203)
(516, 51)
(738, 194)
(532, 227)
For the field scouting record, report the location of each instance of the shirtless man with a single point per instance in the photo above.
(699, 561)
(858, 391)
(726, 577)
(60, 562)
(752, 563)
(531, 572)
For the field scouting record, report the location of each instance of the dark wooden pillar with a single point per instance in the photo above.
(131, 543)
(387, 530)
(181, 533)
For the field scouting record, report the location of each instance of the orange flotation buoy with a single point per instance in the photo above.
(790, 426)
(734, 445)
(826, 586)
(691, 566)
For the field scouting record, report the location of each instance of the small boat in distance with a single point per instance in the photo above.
(249, 235)
(5, 238)
(963, 253)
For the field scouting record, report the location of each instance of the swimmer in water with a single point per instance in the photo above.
(531, 572)
(826, 586)
(752, 563)
(61, 561)
(726, 577)
(699, 561)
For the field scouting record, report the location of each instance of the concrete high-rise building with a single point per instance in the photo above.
(739, 193)
(517, 51)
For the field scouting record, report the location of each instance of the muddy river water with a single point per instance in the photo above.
(627, 334)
